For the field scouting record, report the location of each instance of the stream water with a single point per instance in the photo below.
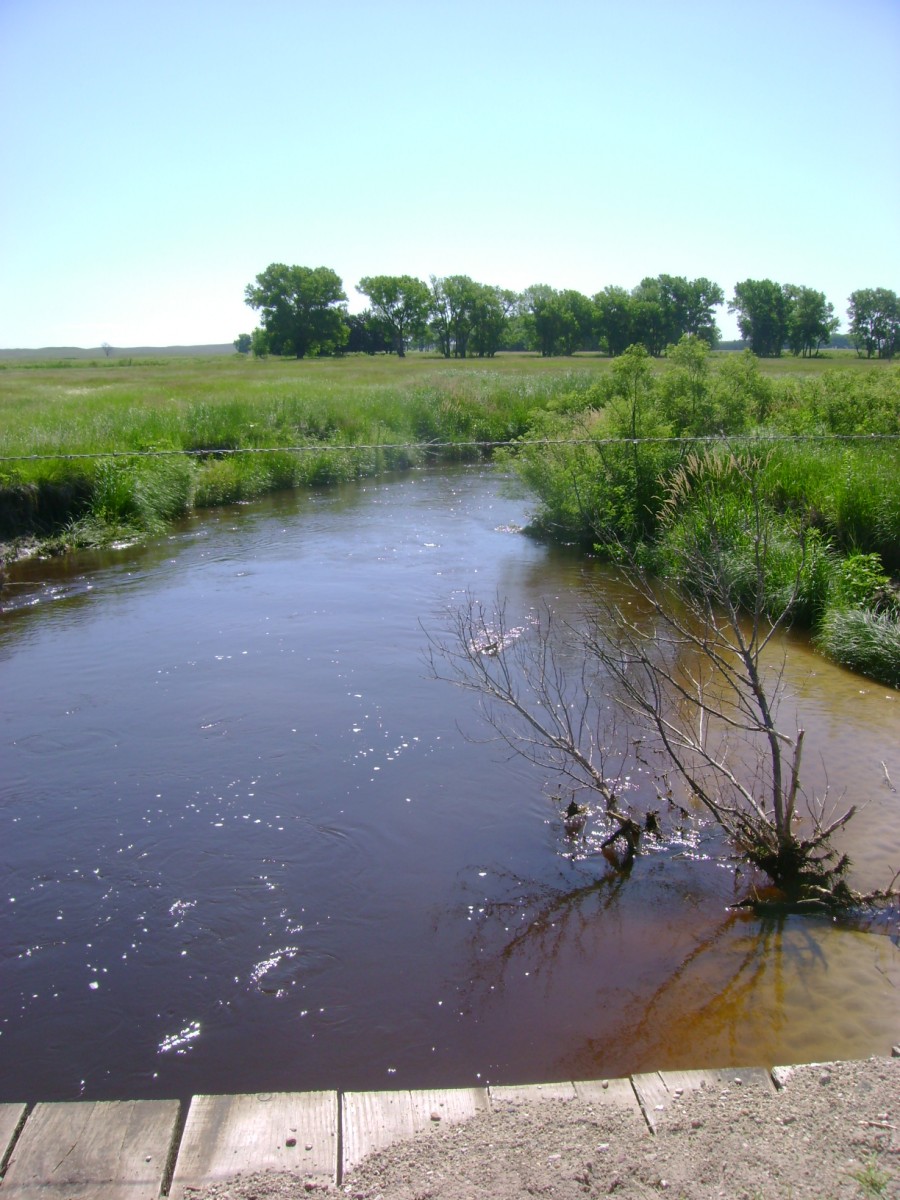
(249, 845)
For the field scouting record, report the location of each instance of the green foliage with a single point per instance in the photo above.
(613, 308)
(686, 399)
(875, 322)
(864, 641)
(131, 497)
(657, 313)
(762, 312)
(599, 486)
(716, 512)
(302, 309)
(858, 581)
(810, 320)
(452, 302)
(243, 343)
(556, 322)
(744, 396)
(469, 317)
(850, 492)
(401, 303)
(838, 402)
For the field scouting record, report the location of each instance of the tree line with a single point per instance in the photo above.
(303, 313)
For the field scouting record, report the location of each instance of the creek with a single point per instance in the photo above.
(249, 845)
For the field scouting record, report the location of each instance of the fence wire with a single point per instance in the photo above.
(513, 443)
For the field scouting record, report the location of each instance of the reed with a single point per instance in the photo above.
(863, 640)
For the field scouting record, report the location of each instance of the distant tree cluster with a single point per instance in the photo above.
(875, 322)
(303, 312)
(771, 316)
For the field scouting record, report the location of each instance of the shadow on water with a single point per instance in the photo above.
(247, 847)
(689, 985)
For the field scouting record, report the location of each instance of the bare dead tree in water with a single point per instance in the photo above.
(550, 714)
(696, 670)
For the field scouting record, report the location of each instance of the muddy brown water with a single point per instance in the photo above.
(246, 845)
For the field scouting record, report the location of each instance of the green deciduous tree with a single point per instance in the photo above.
(810, 320)
(302, 309)
(762, 312)
(452, 303)
(491, 311)
(685, 392)
(696, 315)
(557, 322)
(243, 343)
(367, 335)
(652, 324)
(613, 319)
(259, 343)
(657, 313)
(875, 322)
(401, 302)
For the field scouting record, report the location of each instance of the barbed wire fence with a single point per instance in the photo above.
(511, 443)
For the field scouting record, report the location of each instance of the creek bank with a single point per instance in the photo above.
(829, 1133)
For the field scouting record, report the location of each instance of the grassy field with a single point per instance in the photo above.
(213, 405)
(75, 406)
(93, 451)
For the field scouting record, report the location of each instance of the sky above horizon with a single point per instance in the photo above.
(157, 157)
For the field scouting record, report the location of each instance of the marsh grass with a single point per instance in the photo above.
(314, 411)
(850, 492)
(189, 433)
(863, 640)
(333, 420)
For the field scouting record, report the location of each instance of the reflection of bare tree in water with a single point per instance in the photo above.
(708, 1001)
(698, 997)
(534, 920)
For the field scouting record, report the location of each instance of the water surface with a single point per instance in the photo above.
(247, 846)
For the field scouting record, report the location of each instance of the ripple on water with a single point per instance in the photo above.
(180, 1042)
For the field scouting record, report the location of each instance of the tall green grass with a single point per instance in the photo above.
(327, 421)
(863, 640)
(830, 510)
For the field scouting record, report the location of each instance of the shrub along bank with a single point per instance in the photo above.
(832, 508)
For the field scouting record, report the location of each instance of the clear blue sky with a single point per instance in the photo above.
(157, 156)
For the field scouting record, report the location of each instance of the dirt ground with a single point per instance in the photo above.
(832, 1132)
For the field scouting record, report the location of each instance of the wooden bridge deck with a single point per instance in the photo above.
(142, 1149)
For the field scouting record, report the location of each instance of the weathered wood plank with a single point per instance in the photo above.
(374, 1120)
(720, 1077)
(657, 1090)
(11, 1118)
(607, 1091)
(530, 1093)
(618, 1094)
(269, 1131)
(106, 1150)
(652, 1094)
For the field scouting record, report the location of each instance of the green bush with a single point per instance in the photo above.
(767, 562)
(859, 581)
